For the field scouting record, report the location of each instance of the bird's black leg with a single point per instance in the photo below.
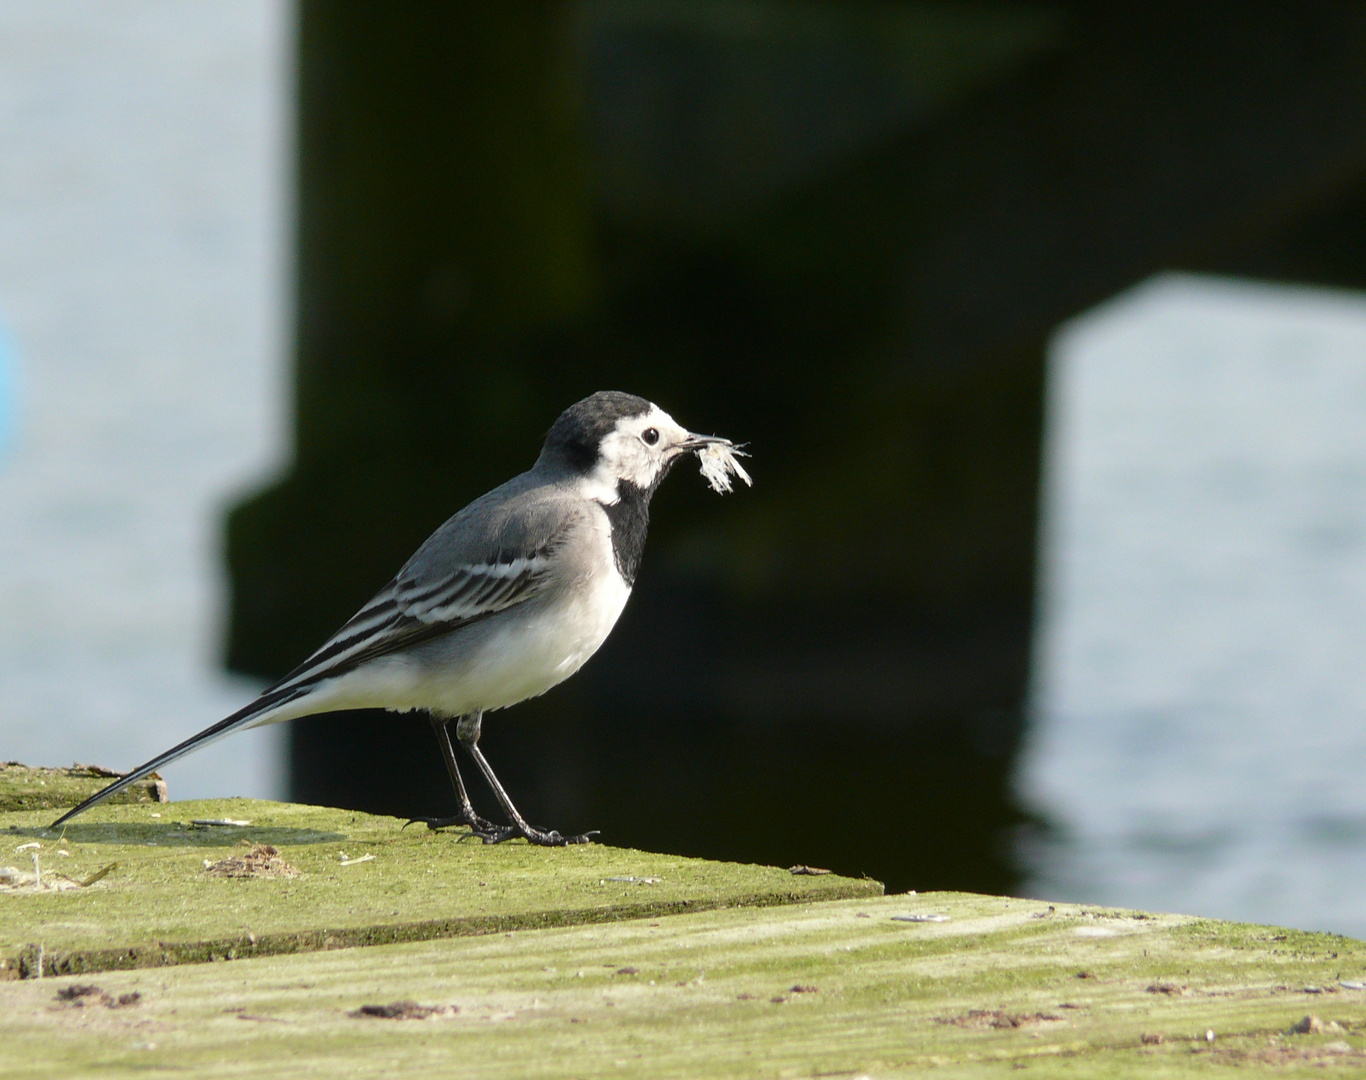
(467, 730)
(479, 826)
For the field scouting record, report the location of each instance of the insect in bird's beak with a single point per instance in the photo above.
(717, 457)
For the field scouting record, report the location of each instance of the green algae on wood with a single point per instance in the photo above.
(24, 787)
(363, 880)
(840, 989)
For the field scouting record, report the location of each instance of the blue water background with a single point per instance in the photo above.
(1199, 694)
(143, 179)
(9, 407)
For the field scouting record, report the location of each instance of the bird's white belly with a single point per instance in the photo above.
(513, 658)
(523, 658)
(490, 664)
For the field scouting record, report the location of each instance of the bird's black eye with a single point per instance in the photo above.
(650, 436)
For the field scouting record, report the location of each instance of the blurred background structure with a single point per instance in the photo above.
(846, 232)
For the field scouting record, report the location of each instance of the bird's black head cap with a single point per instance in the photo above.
(574, 438)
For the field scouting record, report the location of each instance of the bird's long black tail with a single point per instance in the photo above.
(241, 718)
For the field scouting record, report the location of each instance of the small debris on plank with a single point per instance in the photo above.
(94, 770)
(80, 995)
(98, 875)
(996, 1018)
(405, 1010)
(14, 880)
(261, 861)
(920, 918)
(79, 992)
(813, 871)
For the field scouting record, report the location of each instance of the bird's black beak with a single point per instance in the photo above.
(698, 442)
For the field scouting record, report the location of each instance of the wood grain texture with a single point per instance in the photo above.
(998, 987)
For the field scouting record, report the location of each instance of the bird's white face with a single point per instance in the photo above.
(637, 450)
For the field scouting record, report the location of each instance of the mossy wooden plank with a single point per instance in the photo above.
(361, 880)
(25, 787)
(838, 989)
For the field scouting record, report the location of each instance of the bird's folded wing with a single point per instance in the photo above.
(498, 552)
(418, 606)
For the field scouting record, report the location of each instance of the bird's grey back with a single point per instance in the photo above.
(525, 515)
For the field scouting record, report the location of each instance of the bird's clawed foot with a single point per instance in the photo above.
(480, 827)
(490, 833)
(551, 838)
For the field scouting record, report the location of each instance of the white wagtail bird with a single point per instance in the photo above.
(505, 600)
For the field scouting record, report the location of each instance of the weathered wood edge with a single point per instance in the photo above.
(34, 961)
(28, 787)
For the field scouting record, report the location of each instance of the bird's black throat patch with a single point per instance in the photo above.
(629, 517)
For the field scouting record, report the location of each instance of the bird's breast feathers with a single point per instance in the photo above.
(515, 658)
(511, 655)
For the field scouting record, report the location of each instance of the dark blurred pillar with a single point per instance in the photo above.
(1325, 245)
(442, 212)
(827, 669)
